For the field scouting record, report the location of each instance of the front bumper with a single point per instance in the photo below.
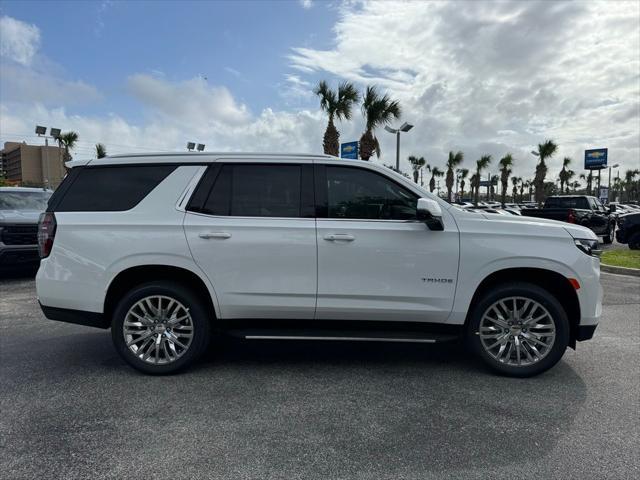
(13, 256)
(585, 332)
(621, 237)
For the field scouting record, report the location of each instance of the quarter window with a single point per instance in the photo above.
(108, 188)
(363, 194)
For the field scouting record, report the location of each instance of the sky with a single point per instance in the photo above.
(480, 77)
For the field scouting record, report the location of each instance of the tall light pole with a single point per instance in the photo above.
(42, 132)
(405, 127)
(609, 189)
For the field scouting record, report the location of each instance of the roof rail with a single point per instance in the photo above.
(219, 154)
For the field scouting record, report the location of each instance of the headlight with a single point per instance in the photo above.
(590, 247)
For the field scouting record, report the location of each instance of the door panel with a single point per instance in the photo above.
(395, 271)
(259, 267)
(375, 260)
(251, 229)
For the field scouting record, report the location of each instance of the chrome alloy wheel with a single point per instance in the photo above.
(517, 331)
(158, 329)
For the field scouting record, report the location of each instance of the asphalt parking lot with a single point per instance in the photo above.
(72, 409)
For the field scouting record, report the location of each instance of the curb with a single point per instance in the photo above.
(634, 272)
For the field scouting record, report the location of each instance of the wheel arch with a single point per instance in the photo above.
(136, 275)
(555, 283)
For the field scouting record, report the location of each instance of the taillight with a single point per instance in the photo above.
(46, 233)
(572, 216)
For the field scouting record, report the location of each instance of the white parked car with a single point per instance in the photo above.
(167, 249)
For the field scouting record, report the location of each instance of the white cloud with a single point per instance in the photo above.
(306, 4)
(493, 77)
(19, 41)
(192, 102)
(29, 85)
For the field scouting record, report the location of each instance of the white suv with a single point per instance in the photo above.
(167, 249)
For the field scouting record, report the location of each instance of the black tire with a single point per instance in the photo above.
(529, 291)
(200, 318)
(634, 241)
(608, 237)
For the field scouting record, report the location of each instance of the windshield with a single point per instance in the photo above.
(24, 200)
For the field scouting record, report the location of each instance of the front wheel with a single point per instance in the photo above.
(519, 330)
(634, 241)
(160, 327)
(608, 236)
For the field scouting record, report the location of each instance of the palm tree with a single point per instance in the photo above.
(481, 164)
(523, 185)
(338, 106)
(68, 141)
(545, 150)
(505, 163)
(416, 166)
(101, 150)
(378, 111)
(563, 173)
(514, 191)
(473, 181)
(629, 177)
(435, 172)
(463, 175)
(453, 161)
(570, 175)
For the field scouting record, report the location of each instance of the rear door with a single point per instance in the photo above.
(376, 261)
(251, 228)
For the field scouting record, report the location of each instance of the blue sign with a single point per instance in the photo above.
(349, 150)
(595, 159)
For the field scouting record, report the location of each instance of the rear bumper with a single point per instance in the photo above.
(77, 317)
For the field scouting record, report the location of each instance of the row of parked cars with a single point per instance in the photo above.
(582, 210)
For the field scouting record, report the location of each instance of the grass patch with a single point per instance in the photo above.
(621, 258)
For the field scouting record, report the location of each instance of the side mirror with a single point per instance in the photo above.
(429, 211)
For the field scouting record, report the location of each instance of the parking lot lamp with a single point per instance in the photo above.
(405, 127)
(609, 189)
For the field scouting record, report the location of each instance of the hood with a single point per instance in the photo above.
(19, 216)
(532, 225)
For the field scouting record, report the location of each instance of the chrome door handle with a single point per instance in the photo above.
(344, 237)
(215, 235)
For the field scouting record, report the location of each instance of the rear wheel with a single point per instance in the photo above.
(160, 327)
(634, 241)
(519, 330)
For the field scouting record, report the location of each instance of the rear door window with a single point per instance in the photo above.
(259, 190)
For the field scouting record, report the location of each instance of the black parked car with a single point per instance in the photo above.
(629, 230)
(581, 210)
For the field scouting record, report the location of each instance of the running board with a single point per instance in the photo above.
(345, 336)
(340, 339)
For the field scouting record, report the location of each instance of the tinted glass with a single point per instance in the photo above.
(567, 202)
(362, 194)
(112, 188)
(256, 191)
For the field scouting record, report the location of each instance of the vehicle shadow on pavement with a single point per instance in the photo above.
(297, 409)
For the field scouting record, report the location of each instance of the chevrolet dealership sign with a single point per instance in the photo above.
(595, 159)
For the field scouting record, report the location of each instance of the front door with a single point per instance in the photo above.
(250, 227)
(376, 261)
